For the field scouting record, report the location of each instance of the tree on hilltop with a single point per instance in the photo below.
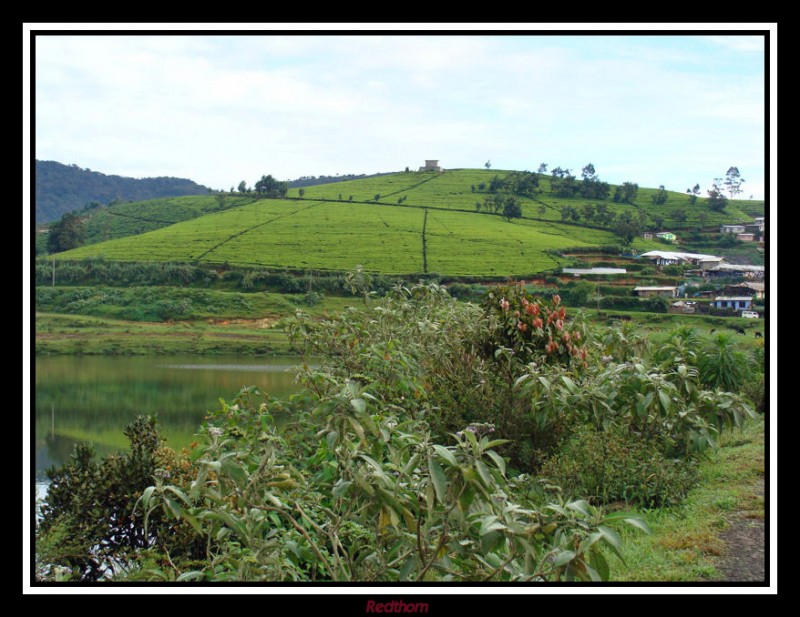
(660, 196)
(693, 193)
(716, 200)
(270, 187)
(733, 181)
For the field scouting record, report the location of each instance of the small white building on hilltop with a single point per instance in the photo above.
(431, 165)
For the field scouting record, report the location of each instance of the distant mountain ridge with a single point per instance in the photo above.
(62, 188)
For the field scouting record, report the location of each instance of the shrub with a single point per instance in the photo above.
(618, 465)
(96, 501)
(362, 493)
(722, 365)
(312, 298)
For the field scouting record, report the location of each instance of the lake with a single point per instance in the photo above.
(93, 398)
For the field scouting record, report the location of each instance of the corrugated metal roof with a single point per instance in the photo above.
(680, 256)
(594, 271)
(654, 288)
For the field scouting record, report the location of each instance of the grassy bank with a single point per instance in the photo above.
(79, 334)
(686, 543)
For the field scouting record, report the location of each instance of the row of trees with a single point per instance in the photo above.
(509, 207)
(731, 183)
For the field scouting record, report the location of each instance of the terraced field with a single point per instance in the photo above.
(338, 236)
(337, 226)
(134, 218)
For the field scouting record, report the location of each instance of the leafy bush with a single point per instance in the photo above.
(722, 365)
(393, 466)
(365, 495)
(618, 465)
(312, 298)
(95, 501)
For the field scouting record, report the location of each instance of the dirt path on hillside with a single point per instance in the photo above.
(745, 541)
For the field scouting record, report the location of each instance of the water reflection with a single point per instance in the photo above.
(93, 398)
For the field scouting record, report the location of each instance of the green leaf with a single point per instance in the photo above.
(174, 507)
(600, 564)
(193, 522)
(147, 494)
(581, 505)
(483, 472)
(490, 524)
(438, 479)
(522, 379)
(222, 533)
(234, 470)
(593, 574)
(665, 400)
(630, 518)
(194, 575)
(563, 557)
(357, 427)
(376, 466)
(340, 488)
(330, 440)
(359, 404)
(407, 568)
(638, 523)
(412, 463)
(446, 454)
(545, 382)
(557, 508)
(180, 494)
(570, 384)
(362, 482)
(612, 539)
(495, 442)
(498, 460)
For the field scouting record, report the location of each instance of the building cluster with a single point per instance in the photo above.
(734, 297)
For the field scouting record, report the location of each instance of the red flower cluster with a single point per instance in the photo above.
(531, 325)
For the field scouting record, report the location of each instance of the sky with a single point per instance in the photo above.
(671, 110)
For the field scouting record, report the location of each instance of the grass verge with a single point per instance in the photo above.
(685, 544)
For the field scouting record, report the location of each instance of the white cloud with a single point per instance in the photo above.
(221, 109)
(739, 42)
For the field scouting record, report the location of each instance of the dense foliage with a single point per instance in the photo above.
(65, 234)
(61, 188)
(423, 447)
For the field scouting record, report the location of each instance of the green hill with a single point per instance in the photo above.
(62, 188)
(398, 223)
(128, 219)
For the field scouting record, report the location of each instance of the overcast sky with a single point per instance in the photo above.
(672, 110)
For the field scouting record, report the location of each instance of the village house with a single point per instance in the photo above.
(731, 229)
(739, 303)
(755, 273)
(746, 237)
(667, 235)
(648, 235)
(746, 288)
(668, 258)
(649, 292)
(682, 307)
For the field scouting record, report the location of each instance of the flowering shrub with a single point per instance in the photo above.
(536, 331)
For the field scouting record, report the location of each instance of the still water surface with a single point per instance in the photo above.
(94, 398)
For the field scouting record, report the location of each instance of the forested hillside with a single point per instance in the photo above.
(61, 188)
